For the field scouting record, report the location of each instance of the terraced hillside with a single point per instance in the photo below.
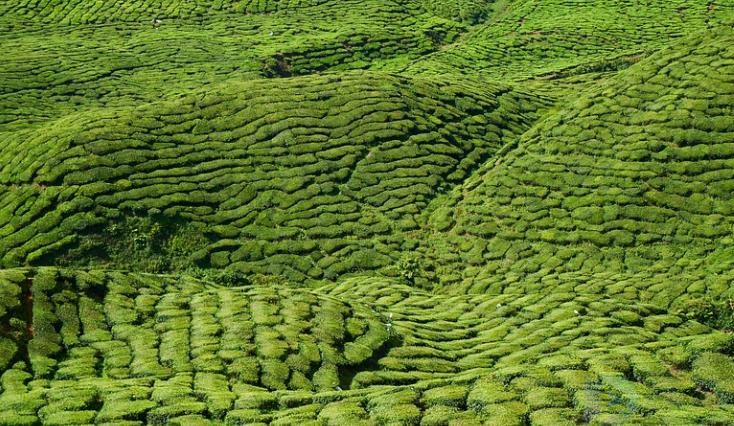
(380, 212)
(559, 39)
(307, 177)
(63, 57)
(633, 177)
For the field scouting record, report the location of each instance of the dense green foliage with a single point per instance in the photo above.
(114, 346)
(307, 177)
(376, 212)
(633, 178)
(544, 39)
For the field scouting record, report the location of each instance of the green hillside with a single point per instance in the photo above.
(559, 39)
(634, 176)
(406, 212)
(306, 177)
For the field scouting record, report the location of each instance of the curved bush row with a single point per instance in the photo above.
(559, 39)
(65, 57)
(95, 346)
(634, 176)
(310, 178)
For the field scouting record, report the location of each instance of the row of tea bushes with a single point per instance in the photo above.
(310, 178)
(634, 176)
(550, 39)
(103, 347)
(66, 57)
(79, 12)
(71, 326)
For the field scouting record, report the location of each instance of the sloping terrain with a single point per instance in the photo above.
(634, 176)
(62, 57)
(115, 347)
(544, 39)
(307, 177)
(380, 212)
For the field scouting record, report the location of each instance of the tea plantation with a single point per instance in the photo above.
(377, 212)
